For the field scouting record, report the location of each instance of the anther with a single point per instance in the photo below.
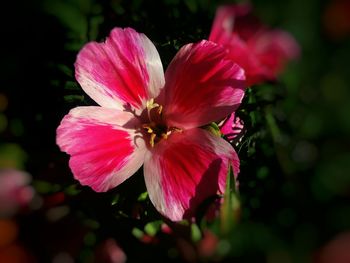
(148, 127)
(160, 108)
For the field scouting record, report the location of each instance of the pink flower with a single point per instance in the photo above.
(260, 51)
(207, 245)
(15, 192)
(232, 127)
(146, 117)
(110, 252)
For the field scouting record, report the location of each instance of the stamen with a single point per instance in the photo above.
(151, 142)
(160, 108)
(151, 105)
(156, 127)
(148, 127)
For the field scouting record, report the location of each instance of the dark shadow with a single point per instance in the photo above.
(207, 187)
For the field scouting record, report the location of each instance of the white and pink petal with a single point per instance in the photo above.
(202, 86)
(123, 71)
(103, 146)
(183, 171)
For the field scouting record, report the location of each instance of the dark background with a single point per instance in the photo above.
(294, 180)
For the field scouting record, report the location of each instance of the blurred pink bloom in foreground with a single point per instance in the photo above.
(151, 118)
(336, 251)
(15, 192)
(260, 51)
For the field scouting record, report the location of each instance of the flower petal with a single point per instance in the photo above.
(231, 127)
(233, 26)
(274, 49)
(261, 52)
(234, 19)
(243, 54)
(184, 170)
(15, 191)
(103, 146)
(125, 70)
(201, 86)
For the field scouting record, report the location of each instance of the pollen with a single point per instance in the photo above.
(156, 128)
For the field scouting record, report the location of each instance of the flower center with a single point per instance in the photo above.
(156, 127)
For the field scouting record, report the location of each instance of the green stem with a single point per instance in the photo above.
(281, 151)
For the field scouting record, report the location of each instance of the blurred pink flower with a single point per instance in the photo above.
(146, 117)
(15, 192)
(260, 51)
(336, 251)
(110, 252)
(208, 244)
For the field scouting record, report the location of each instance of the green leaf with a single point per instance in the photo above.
(74, 98)
(12, 155)
(66, 70)
(143, 196)
(72, 190)
(152, 228)
(72, 15)
(214, 129)
(95, 23)
(137, 232)
(71, 85)
(44, 187)
(191, 5)
(115, 199)
(271, 122)
(230, 205)
(196, 234)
